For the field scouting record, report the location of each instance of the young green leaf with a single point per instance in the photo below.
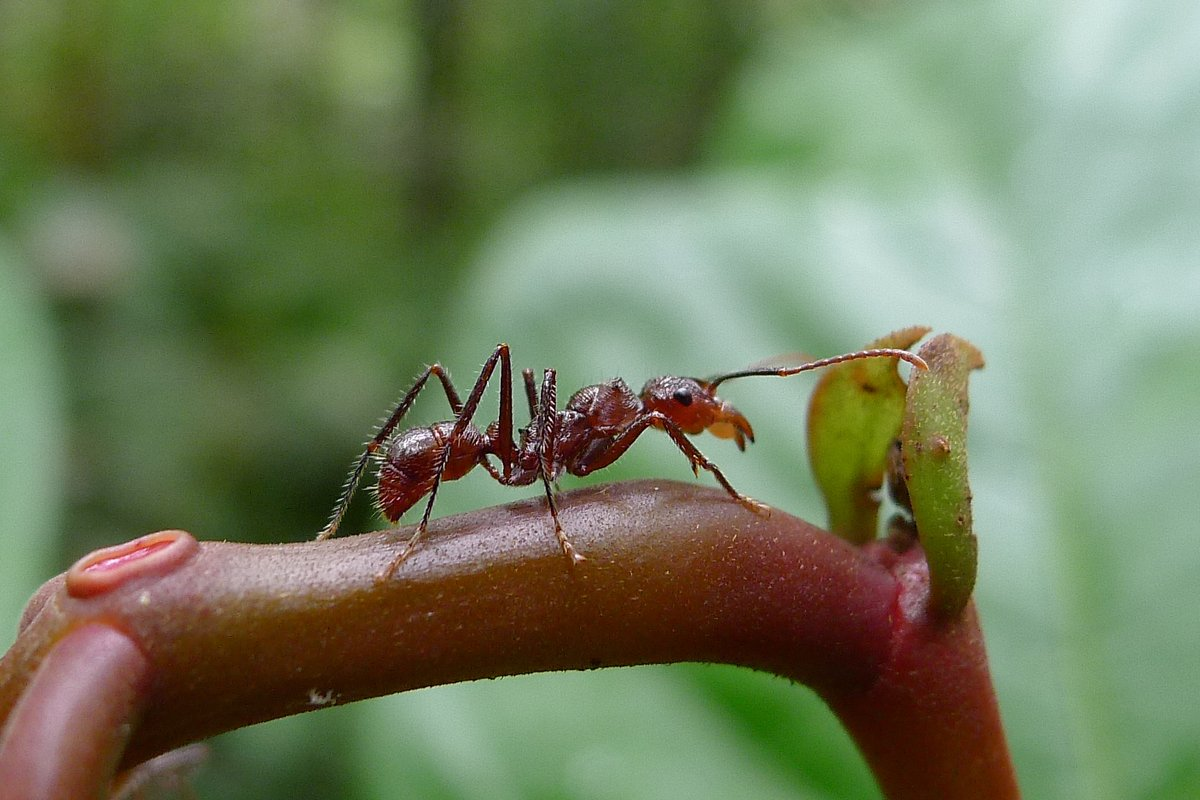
(853, 417)
(934, 442)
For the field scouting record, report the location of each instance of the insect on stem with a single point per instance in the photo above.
(596, 427)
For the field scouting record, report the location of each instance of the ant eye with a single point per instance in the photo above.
(683, 397)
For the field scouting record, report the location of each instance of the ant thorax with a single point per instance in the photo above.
(607, 407)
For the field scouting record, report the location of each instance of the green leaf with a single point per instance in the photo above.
(853, 418)
(934, 447)
(31, 446)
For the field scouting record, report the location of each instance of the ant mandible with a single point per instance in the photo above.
(598, 425)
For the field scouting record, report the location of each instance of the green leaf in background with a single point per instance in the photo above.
(1054, 228)
(853, 417)
(32, 445)
(622, 733)
(1021, 174)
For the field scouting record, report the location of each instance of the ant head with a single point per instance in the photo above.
(693, 406)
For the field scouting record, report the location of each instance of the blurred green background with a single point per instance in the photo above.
(232, 232)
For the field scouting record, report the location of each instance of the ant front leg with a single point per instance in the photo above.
(385, 430)
(600, 457)
(465, 414)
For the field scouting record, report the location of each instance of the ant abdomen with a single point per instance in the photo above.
(409, 466)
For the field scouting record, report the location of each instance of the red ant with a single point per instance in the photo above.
(597, 426)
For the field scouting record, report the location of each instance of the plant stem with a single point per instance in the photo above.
(237, 634)
(69, 730)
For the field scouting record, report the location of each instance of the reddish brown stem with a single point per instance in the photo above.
(675, 572)
(930, 719)
(69, 730)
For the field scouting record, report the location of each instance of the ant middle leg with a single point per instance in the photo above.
(573, 555)
(544, 434)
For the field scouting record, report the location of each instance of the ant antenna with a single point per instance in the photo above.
(783, 372)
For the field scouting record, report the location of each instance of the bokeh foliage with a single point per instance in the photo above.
(250, 223)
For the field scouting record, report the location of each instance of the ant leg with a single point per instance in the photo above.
(598, 459)
(465, 414)
(545, 432)
(508, 448)
(451, 395)
(385, 430)
(530, 392)
(699, 460)
(546, 435)
(573, 555)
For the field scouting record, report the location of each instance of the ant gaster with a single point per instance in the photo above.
(598, 424)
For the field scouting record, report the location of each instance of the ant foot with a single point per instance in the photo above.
(395, 563)
(573, 555)
(757, 507)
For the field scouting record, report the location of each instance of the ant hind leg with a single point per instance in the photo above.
(381, 435)
(464, 413)
(395, 563)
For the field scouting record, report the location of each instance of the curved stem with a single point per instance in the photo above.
(675, 572)
(931, 717)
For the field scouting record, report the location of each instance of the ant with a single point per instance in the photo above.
(598, 425)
